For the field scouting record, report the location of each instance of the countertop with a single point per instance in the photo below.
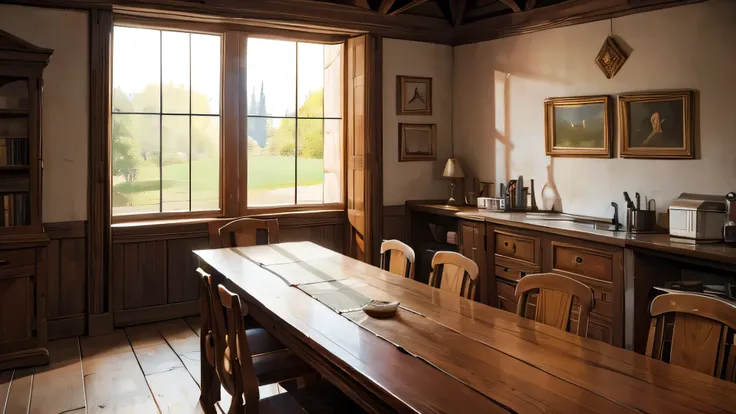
(719, 252)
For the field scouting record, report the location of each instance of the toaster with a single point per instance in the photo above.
(698, 217)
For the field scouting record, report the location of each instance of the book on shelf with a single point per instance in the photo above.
(13, 152)
(16, 210)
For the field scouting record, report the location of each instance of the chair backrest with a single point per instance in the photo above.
(243, 232)
(239, 358)
(455, 273)
(550, 299)
(694, 331)
(398, 258)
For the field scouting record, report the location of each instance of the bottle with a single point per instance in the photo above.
(549, 196)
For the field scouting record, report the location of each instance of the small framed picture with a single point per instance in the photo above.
(413, 95)
(656, 125)
(578, 127)
(417, 142)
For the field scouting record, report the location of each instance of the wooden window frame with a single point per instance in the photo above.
(233, 92)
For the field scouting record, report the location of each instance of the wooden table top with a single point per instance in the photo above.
(457, 355)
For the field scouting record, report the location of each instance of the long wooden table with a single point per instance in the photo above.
(442, 353)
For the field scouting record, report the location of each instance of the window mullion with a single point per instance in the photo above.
(190, 122)
(160, 121)
(296, 127)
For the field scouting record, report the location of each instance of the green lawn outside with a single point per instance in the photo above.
(265, 172)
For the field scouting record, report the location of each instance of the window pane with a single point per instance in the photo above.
(333, 157)
(205, 162)
(136, 179)
(175, 162)
(333, 81)
(310, 161)
(205, 74)
(136, 70)
(271, 168)
(271, 78)
(311, 79)
(175, 72)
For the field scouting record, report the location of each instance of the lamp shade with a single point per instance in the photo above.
(453, 169)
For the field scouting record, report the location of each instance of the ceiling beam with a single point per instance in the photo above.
(294, 12)
(512, 4)
(407, 6)
(385, 6)
(563, 14)
(530, 4)
(458, 11)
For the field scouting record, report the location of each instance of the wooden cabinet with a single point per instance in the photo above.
(472, 244)
(22, 239)
(599, 267)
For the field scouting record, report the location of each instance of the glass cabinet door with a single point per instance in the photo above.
(15, 166)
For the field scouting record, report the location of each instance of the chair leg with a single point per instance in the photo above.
(210, 384)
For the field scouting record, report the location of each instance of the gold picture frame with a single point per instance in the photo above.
(417, 142)
(657, 124)
(413, 95)
(578, 127)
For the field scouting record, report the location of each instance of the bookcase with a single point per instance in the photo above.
(23, 243)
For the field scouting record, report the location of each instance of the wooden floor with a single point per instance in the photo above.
(141, 369)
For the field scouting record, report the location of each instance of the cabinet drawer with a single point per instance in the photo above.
(518, 247)
(17, 258)
(602, 306)
(509, 273)
(590, 263)
(598, 330)
(507, 305)
(506, 290)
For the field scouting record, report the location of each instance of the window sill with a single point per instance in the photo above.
(266, 212)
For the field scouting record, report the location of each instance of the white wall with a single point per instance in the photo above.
(500, 86)
(416, 180)
(65, 103)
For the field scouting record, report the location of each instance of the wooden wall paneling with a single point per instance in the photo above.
(66, 292)
(99, 208)
(181, 265)
(145, 274)
(394, 223)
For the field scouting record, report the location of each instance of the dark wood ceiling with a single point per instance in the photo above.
(455, 12)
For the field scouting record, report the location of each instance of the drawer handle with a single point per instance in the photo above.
(578, 260)
(506, 244)
(4, 262)
(505, 269)
(513, 248)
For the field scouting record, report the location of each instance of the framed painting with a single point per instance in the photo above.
(413, 95)
(657, 125)
(417, 142)
(578, 127)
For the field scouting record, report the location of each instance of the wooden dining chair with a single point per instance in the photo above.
(272, 362)
(455, 273)
(241, 377)
(552, 299)
(397, 258)
(694, 331)
(236, 369)
(243, 232)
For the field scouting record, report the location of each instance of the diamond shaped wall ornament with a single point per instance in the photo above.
(611, 58)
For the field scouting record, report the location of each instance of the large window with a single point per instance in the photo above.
(294, 123)
(165, 121)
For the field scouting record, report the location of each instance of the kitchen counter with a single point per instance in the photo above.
(719, 252)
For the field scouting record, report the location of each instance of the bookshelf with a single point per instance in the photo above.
(23, 242)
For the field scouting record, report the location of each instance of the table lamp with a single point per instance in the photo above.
(452, 171)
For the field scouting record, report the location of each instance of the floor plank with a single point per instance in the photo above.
(113, 379)
(5, 377)
(184, 342)
(175, 391)
(59, 386)
(153, 353)
(194, 322)
(19, 395)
